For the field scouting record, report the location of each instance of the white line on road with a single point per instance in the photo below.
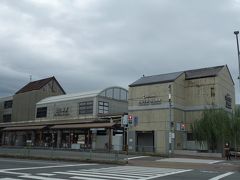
(213, 162)
(108, 174)
(91, 175)
(166, 174)
(45, 174)
(222, 176)
(45, 167)
(9, 179)
(15, 173)
(86, 178)
(41, 178)
(136, 157)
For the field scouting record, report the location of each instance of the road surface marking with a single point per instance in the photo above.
(132, 173)
(91, 175)
(222, 176)
(15, 173)
(122, 173)
(108, 174)
(167, 174)
(188, 160)
(214, 162)
(136, 157)
(45, 174)
(41, 178)
(45, 167)
(10, 179)
(85, 178)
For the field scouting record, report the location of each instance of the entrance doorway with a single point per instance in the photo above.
(145, 141)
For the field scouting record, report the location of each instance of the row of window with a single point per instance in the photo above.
(8, 104)
(85, 107)
(7, 118)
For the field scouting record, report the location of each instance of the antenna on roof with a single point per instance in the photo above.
(30, 78)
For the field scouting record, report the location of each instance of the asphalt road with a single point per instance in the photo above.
(19, 169)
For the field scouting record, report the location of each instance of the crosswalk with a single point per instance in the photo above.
(114, 173)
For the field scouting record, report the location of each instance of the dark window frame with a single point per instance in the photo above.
(86, 107)
(7, 117)
(41, 112)
(212, 92)
(190, 137)
(103, 107)
(8, 104)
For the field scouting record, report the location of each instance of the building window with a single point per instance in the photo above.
(41, 112)
(212, 92)
(7, 118)
(103, 107)
(190, 137)
(228, 101)
(8, 104)
(86, 107)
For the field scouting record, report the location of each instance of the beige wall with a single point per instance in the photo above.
(178, 91)
(224, 86)
(24, 104)
(198, 91)
(189, 99)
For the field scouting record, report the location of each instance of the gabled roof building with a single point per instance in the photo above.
(25, 99)
(166, 105)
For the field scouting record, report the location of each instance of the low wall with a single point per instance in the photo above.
(62, 154)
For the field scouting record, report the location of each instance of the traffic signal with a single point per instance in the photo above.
(183, 127)
(130, 119)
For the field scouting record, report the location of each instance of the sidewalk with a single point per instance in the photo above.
(186, 163)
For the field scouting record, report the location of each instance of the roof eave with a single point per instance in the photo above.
(144, 84)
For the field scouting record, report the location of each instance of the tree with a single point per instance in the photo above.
(235, 128)
(214, 127)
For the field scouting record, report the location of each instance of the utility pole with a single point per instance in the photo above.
(170, 148)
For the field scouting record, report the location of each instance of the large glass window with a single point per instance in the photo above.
(116, 93)
(41, 112)
(86, 107)
(103, 107)
(8, 104)
(7, 118)
(123, 95)
(109, 93)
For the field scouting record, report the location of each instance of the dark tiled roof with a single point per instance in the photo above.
(162, 78)
(36, 85)
(204, 72)
(170, 77)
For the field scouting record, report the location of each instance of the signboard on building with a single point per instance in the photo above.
(228, 101)
(62, 111)
(124, 120)
(150, 101)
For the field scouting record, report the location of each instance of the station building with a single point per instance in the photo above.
(166, 105)
(41, 114)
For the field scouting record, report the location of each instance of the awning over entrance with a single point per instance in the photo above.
(83, 126)
(21, 128)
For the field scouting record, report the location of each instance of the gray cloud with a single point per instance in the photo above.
(92, 44)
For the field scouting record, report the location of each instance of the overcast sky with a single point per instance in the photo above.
(93, 44)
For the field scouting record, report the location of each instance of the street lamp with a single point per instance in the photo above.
(238, 53)
(236, 33)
